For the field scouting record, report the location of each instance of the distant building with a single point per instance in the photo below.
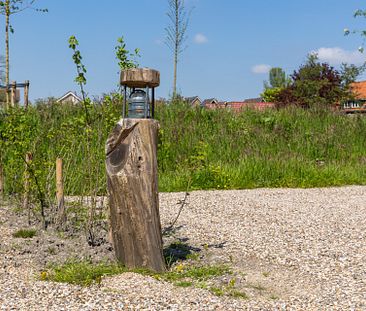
(253, 100)
(3, 95)
(210, 103)
(358, 103)
(193, 101)
(69, 97)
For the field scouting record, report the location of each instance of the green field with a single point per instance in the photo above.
(198, 148)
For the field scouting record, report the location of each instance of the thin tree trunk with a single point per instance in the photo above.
(176, 48)
(7, 15)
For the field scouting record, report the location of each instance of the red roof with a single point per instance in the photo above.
(257, 106)
(359, 89)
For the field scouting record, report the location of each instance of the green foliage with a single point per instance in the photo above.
(52, 130)
(83, 273)
(317, 84)
(362, 33)
(25, 233)
(213, 149)
(277, 78)
(80, 68)
(270, 95)
(126, 59)
(275, 148)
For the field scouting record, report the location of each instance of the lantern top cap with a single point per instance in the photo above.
(140, 77)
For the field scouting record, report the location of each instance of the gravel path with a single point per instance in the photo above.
(295, 249)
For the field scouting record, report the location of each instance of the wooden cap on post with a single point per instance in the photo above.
(140, 77)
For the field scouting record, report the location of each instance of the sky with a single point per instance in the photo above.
(231, 44)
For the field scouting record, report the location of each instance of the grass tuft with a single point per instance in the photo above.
(25, 233)
(82, 273)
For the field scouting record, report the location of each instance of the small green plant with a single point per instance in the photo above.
(183, 284)
(238, 294)
(83, 273)
(217, 291)
(265, 274)
(51, 250)
(25, 233)
(126, 59)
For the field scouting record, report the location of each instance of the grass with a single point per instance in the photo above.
(85, 273)
(206, 149)
(82, 273)
(25, 233)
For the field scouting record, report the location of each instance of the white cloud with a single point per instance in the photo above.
(337, 56)
(262, 68)
(200, 38)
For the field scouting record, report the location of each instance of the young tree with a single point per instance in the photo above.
(176, 33)
(277, 78)
(8, 8)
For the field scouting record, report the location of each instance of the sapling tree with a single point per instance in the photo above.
(176, 34)
(125, 58)
(8, 8)
(80, 79)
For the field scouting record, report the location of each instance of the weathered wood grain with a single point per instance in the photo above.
(131, 165)
(140, 77)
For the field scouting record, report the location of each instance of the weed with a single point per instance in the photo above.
(193, 256)
(183, 284)
(51, 250)
(265, 274)
(25, 233)
(238, 294)
(216, 291)
(82, 273)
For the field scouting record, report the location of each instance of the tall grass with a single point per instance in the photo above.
(198, 148)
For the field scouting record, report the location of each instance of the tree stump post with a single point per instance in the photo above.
(132, 179)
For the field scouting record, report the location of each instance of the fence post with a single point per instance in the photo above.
(26, 92)
(26, 206)
(1, 181)
(61, 213)
(13, 93)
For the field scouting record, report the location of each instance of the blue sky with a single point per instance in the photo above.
(231, 43)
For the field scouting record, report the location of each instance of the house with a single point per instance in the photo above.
(253, 100)
(237, 106)
(193, 101)
(210, 103)
(358, 103)
(3, 95)
(69, 97)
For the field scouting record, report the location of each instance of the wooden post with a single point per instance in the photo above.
(26, 206)
(131, 165)
(13, 93)
(61, 213)
(26, 94)
(1, 181)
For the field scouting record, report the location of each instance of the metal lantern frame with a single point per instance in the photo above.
(148, 113)
(145, 79)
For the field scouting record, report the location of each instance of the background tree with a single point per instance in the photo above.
(316, 83)
(176, 33)
(8, 8)
(277, 78)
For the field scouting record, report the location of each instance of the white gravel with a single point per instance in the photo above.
(297, 249)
